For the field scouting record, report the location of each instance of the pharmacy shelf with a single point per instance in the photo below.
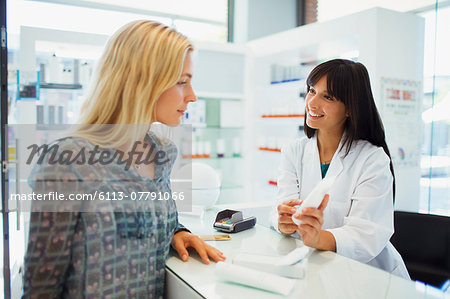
(285, 81)
(283, 116)
(203, 159)
(26, 98)
(60, 86)
(229, 187)
(220, 96)
(216, 128)
(265, 149)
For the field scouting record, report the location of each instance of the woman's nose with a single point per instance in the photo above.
(191, 97)
(312, 102)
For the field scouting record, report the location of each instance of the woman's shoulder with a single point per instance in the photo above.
(163, 144)
(363, 149)
(71, 143)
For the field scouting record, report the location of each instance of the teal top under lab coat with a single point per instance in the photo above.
(324, 169)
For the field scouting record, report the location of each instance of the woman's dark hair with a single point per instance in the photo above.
(348, 82)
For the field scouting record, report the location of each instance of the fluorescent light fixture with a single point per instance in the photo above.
(206, 11)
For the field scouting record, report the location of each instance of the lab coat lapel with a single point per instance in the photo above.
(336, 165)
(337, 162)
(311, 173)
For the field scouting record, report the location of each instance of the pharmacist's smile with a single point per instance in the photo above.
(313, 115)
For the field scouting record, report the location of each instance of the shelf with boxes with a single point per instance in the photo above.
(217, 124)
(53, 95)
(216, 143)
(31, 90)
(287, 73)
(278, 117)
(281, 101)
(45, 103)
(64, 60)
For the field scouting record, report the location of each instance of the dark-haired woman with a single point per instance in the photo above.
(345, 144)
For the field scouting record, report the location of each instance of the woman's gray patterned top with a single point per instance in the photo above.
(111, 253)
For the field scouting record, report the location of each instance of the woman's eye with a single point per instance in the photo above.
(328, 98)
(311, 91)
(182, 82)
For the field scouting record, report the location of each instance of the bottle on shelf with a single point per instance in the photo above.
(195, 153)
(272, 143)
(207, 149)
(54, 68)
(272, 175)
(236, 147)
(85, 73)
(283, 74)
(186, 150)
(292, 107)
(220, 148)
(200, 149)
(76, 71)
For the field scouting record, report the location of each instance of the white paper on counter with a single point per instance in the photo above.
(294, 256)
(271, 265)
(253, 278)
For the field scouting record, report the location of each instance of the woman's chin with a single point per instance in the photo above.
(170, 122)
(174, 123)
(311, 124)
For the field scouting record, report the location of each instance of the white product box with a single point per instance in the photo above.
(231, 114)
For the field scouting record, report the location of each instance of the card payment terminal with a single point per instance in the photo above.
(231, 221)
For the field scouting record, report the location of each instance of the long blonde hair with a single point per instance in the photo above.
(141, 60)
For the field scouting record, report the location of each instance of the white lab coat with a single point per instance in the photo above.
(360, 209)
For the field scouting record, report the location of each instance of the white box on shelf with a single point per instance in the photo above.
(231, 114)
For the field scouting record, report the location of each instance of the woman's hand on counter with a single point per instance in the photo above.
(285, 211)
(311, 228)
(183, 240)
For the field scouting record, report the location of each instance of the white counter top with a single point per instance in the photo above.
(328, 275)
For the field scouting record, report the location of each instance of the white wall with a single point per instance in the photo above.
(258, 18)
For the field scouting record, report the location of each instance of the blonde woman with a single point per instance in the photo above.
(144, 76)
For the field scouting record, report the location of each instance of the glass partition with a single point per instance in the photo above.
(435, 162)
